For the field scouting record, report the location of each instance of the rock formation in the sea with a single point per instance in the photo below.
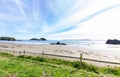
(58, 43)
(8, 38)
(114, 41)
(41, 39)
(33, 39)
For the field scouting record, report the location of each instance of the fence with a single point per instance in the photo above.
(62, 56)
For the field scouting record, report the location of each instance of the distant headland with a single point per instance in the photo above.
(8, 38)
(14, 39)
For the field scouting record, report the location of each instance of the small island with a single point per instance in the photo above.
(8, 38)
(41, 39)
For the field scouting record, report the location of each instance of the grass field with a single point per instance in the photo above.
(29, 66)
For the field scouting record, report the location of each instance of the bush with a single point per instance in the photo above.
(6, 54)
(111, 71)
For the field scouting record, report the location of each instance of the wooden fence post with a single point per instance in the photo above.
(14, 53)
(42, 54)
(24, 52)
(52, 74)
(19, 53)
(81, 59)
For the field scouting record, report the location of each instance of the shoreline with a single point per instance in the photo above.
(64, 50)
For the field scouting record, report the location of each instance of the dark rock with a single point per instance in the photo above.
(114, 41)
(58, 43)
(62, 44)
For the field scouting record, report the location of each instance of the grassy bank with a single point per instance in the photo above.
(29, 66)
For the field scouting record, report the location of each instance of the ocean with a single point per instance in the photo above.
(84, 43)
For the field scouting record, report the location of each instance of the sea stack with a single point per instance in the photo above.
(58, 43)
(114, 41)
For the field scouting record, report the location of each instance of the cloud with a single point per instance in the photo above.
(59, 19)
(101, 23)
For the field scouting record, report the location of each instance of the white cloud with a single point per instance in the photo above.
(92, 18)
(105, 24)
(20, 7)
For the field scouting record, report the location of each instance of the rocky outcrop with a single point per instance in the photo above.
(8, 38)
(41, 39)
(58, 43)
(115, 41)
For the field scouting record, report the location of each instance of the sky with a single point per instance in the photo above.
(60, 19)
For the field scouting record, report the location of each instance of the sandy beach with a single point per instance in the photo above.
(65, 50)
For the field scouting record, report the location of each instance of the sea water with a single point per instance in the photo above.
(91, 44)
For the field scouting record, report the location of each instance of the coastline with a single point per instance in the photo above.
(65, 50)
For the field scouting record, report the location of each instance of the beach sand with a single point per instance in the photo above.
(65, 50)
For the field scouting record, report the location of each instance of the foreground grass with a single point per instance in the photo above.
(28, 66)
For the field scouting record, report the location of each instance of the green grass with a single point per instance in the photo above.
(29, 66)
